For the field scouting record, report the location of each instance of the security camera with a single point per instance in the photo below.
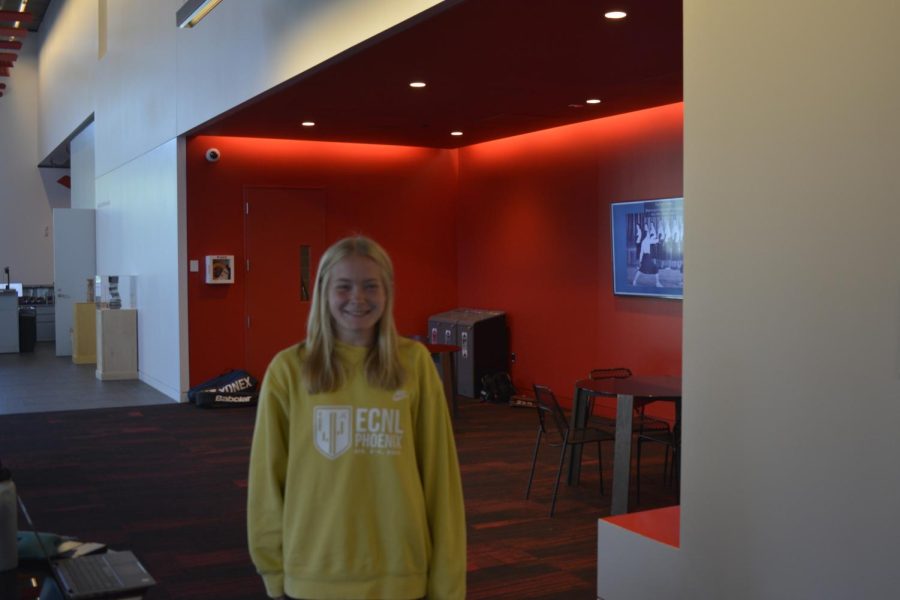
(213, 154)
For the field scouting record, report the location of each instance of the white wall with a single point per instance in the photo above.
(56, 189)
(81, 156)
(790, 482)
(25, 217)
(68, 63)
(138, 216)
(136, 85)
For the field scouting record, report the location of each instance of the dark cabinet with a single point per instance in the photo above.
(483, 341)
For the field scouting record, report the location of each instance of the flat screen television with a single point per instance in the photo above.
(648, 247)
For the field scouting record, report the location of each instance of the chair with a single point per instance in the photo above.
(645, 428)
(640, 422)
(552, 422)
(671, 439)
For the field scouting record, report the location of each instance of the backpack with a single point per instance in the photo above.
(497, 387)
(232, 388)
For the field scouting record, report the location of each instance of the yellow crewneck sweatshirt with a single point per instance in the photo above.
(356, 493)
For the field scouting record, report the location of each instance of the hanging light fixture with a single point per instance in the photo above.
(16, 17)
(13, 32)
(11, 37)
(192, 11)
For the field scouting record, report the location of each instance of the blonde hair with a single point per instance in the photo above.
(322, 368)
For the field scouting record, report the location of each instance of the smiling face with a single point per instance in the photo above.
(356, 299)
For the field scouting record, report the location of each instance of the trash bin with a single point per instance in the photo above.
(27, 328)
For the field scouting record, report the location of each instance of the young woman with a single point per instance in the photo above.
(646, 263)
(354, 486)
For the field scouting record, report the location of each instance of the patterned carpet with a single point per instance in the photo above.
(169, 483)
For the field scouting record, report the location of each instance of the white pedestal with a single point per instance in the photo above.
(117, 344)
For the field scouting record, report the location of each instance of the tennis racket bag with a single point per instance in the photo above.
(232, 388)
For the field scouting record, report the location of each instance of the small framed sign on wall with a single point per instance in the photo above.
(220, 268)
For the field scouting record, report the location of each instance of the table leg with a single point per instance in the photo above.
(622, 457)
(448, 378)
(577, 420)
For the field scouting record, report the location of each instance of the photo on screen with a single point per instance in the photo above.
(648, 247)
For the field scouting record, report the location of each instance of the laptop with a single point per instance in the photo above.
(108, 575)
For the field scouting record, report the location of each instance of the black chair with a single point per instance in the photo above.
(644, 427)
(552, 422)
(671, 440)
(640, 423)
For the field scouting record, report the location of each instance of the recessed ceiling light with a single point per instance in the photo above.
(456, 133)
(573, 105)
(416, 84)
(593, 101)
(616, 14)
(308, 123)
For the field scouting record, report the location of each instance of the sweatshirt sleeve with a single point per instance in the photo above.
(441, 483)
(266, 480)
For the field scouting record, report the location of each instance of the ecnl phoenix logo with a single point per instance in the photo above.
(366, 430)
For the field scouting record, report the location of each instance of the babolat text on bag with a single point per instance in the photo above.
(232, 388)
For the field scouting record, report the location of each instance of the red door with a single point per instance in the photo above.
(284, 237)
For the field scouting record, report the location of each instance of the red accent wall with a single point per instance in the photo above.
(519, 224)
(534, 240)
(404, 197)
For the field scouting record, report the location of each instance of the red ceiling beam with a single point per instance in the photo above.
(10, 45)
(6, 63)
(13, 16)
(16, 32)
(8, 56)
(4, 72)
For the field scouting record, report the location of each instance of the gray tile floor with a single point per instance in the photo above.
(40, 381)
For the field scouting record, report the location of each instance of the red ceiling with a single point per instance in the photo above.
(494, 68)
